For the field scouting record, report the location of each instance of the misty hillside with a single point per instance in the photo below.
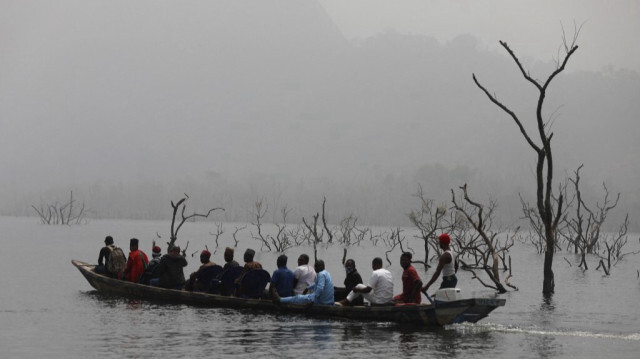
(233, 100)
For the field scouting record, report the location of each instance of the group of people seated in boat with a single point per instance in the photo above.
(306, 284)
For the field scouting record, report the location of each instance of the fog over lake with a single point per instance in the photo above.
(132, 104)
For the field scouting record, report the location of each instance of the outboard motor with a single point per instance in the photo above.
(446, 294)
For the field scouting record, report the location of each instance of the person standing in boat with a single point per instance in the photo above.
(303, 275)
(411, 282)
(171, 270)
(379, 290)
(323, 290)
(137, 262)
(446, 266)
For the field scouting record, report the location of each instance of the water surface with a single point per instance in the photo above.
(48, 310)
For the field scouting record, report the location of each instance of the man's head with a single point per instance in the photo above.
(282, 261)
(303, 259)
(248, 255)
(228, 254)
(156, 251)
(133, 244)
(405, 260)
(175, 250)
(376, 263)
(319, 266)
(444, 241)
(205, 255)
(350, 264)
(108, 240)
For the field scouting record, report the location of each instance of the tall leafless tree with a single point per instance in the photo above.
(544, 165)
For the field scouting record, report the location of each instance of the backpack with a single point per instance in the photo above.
(117, 262)
(145, 264)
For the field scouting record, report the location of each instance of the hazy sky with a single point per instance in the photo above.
(161, 90)
(610, 35)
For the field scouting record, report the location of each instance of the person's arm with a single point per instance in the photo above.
(444, 259)
(128, 268)
(309, 288)
(417, 285)
(373, 281)
(319, 287)
(296, 277)
(273, 283)
(102, 256)
(366, 289)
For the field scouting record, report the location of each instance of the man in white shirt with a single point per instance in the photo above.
(304, 275)
(379, 290)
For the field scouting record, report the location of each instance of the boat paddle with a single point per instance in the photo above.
(430, 299)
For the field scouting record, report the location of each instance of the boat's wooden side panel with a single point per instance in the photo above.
(425, 314)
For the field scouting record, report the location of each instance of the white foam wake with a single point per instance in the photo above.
(491, 327)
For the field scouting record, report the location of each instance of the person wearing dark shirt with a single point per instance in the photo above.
(104, 256)
(228, 259)
(282, 278)
(170, 270)
(411, 282)
(151, 271)
(249, 265)
(352, 279)
(194, 278)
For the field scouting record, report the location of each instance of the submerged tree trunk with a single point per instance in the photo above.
(544, 164)
(548, 282)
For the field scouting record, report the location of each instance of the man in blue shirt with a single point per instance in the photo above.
(322, 289)
(282, 279)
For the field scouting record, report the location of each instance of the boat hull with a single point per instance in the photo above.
(465, 310)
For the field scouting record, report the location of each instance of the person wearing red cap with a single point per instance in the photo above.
(151, 272)
(446, 266)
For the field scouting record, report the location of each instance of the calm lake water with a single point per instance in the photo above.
(48, 310)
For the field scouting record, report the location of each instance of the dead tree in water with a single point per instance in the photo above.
(549, 215)
(536, 225)
(182, 206)
(584, 228)
(65, 213)
(219, 232)
(284, 238)
(260, 212)
(485, 247)
(431, 220)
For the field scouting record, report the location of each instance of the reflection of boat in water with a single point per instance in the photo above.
(447, 312)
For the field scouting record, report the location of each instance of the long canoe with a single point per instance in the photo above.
(440, 313)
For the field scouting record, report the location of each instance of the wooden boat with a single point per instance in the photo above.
(439, 313)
